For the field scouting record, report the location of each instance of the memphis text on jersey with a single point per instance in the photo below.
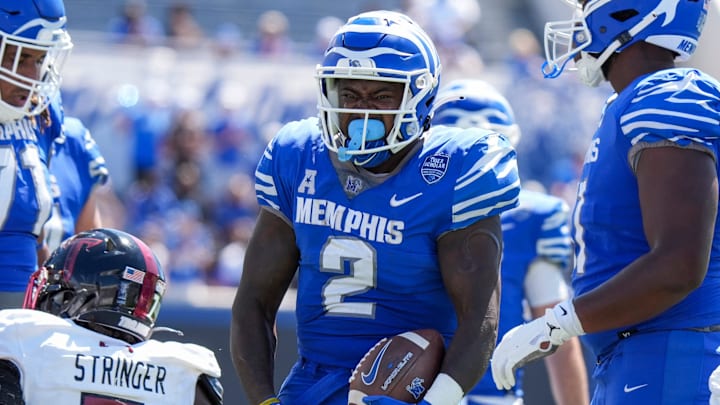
(372, 227)
(18, 130)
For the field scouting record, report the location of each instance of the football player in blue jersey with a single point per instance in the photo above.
(647, 268)
(536, 249)
(33, 46)
(390, 225)
(77, 168)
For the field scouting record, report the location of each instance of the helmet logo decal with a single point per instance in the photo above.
(359, 66)
(434, 167)
(85, 244)
(134, 275)
(356, 62)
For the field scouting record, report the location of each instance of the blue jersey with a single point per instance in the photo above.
(368, 243)
(25, 199)
(676, 106)
(537, 229)
(76, 167)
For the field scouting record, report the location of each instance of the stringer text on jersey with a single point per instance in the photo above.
(375, 228)
(120, 372)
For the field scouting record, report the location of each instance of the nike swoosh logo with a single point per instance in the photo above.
(394, 202)
(369, 378)
(631, 389)
(564, 311)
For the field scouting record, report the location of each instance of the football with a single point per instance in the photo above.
(401, 367)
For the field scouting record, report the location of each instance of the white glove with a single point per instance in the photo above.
(714, 385)
(533, 340)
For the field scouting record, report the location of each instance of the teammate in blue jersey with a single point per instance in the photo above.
(33, 48)
(536, 249)
(647, 268)
(390, 225)
(77, 168)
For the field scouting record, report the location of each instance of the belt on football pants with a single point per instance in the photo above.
(629, 332)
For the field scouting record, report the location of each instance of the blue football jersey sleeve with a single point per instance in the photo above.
(368, 243)
(272, 189)
(488, 183)
(678, 106)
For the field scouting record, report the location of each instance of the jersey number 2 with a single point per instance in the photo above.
(360, 257)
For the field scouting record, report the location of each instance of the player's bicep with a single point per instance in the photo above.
(470, 264)
(678, 190)
(270, 261)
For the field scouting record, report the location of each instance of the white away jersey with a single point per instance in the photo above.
(62, 363)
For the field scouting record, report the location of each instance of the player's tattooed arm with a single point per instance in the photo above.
(470, 266)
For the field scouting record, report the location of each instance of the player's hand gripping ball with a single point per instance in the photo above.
(401, 367)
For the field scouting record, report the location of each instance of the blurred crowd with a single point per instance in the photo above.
(184, 115)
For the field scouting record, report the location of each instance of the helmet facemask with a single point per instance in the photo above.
(363, 146)
(38, 35)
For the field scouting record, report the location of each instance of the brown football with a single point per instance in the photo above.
(401, 367)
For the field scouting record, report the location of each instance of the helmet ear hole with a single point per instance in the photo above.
(624, 15)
